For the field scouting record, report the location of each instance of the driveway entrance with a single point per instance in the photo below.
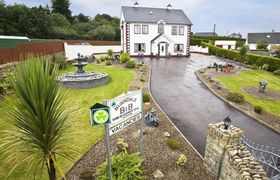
(191, 106)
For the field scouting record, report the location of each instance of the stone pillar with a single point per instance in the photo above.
(217, 140)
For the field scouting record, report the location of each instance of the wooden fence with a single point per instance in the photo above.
(23, 50)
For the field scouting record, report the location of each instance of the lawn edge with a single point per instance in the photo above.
(235, 106)
(150, 92)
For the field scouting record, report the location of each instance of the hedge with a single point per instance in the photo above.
(252, 59)
(239, 41)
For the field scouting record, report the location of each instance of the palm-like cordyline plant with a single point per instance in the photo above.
(39, 115)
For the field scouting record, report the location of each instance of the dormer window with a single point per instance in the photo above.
(161, 28)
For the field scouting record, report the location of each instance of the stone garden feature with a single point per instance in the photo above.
(262, 86)
(151, 118)
(81, 78)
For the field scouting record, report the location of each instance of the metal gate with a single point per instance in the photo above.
(267, 156)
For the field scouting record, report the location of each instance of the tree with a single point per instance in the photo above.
(2, 3)
(39, 117)
(277, 52)
(82, 18)
(262, 45)
(243, 51)
(104, 32)
(62, 7)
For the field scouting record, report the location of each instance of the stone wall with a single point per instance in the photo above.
(227, 158)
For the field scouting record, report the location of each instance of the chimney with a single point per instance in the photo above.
(136, 4)
(169, 6)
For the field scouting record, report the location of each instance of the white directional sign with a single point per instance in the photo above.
(125, 110)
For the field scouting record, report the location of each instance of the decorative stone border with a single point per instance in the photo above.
(235, 106)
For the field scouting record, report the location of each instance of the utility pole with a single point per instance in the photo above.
(214, 31)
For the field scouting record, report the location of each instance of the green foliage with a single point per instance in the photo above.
(125, 167)
(102, 58)
(258, 109)
(146, 97)
(124, 57)
(277, 52)
(6, 82)
(265, 67)
(182, 160)
(60, 60)
(108, 63)
(243, 50)
(235, 97)
(98, 61)
(274, 63)
(276, 72)
(173, 143)
(39, 117)
(254, 66)
(197, 40)
(104, 32)
(62, 7)
(262, 45)
(110, 53)
(130, 64)
(122, 146)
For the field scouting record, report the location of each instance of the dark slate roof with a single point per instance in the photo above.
(270, 37)
(205, 34)
(153, 15)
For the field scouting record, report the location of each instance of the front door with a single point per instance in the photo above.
(162, 49)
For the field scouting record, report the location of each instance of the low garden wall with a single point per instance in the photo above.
(227, 158)
(252, 59)
(199, 49)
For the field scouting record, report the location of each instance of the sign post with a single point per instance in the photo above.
(100, 115)
(141, 143)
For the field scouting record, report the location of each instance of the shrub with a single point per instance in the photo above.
(124, 57)
(258, 109)
(110, 53)
(6, 84)
(254, 66)
(172, 143)
(122, 146)
(265, 67)
(182, 160)
(146, 97)
(125, 166)
(108, 63)
(277, 72)
(142, 79)
(130, 64)
(235, 97)
(60, 60)
(243, 50)
(102, 58)
(98, 61)
(274, 63)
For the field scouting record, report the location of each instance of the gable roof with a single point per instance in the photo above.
(205, 34)
(153, 15)
(270, 37)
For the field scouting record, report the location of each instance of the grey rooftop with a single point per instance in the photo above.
(153, 15)
(269, 37)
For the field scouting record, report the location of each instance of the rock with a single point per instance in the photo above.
(158, 174)
(147, 106)
(166, 134)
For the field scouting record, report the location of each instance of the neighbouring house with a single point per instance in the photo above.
(206, 34)
(149, 31)
(226, 44)
(272, 39)
(235, 35)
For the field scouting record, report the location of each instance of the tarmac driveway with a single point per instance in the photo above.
(191, 106)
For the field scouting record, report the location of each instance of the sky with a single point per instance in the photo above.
(229, 15)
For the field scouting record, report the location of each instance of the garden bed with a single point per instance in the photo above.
(215, 85)
(157, 155)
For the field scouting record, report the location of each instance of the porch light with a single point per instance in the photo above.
(227, 122)
(136, 4)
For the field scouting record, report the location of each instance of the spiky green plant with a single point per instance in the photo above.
(110, 53)
(39, 117)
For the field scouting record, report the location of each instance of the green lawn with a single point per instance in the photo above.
(84, 135)
(252, 78)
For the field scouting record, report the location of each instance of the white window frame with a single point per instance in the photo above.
(143, 32)
(136, 47)
(137, 26)
(174, 30)
(161, 24)
(176, 49)
(181, 32)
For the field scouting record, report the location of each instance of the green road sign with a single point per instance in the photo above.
(99, 114)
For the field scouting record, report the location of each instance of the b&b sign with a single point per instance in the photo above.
(125, 110)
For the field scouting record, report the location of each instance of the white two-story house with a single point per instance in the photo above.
(155, 31)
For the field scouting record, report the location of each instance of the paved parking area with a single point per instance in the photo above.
(191, 106)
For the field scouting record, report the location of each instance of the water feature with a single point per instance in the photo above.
(81, 78)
